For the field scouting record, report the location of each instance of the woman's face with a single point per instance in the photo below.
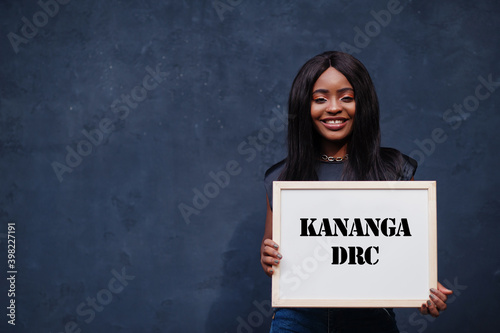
(332, 110)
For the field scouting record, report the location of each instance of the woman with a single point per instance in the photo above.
(334, 134)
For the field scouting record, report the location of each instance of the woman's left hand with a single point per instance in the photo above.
(437, 301)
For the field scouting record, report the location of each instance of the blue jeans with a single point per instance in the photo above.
(319, 320)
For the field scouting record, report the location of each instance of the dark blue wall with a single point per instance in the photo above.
(222, 75)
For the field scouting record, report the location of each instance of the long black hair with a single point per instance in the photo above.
(367, 161)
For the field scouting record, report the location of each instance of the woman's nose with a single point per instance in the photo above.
(333, 107)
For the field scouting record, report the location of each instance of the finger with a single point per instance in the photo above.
(439, 294)
(433, 311)
(271, 243)
(271, 261)
(444, 290)
(268, 269)
(438, 303)
(423, 309)
(270, 251)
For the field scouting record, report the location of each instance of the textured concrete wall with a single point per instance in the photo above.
(113, 114)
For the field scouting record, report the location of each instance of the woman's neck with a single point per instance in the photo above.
(334, 149)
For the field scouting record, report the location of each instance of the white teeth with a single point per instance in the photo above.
(336, 121)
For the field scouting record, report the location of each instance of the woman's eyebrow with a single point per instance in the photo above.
(345, 89)
(326, 91)
(321, 91)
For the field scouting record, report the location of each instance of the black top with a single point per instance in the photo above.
(331, 171)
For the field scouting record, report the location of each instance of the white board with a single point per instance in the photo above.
(389, 236)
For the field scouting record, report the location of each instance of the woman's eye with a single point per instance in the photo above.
(320, 100)
(347, 99)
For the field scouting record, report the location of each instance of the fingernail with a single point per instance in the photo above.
(270, 271)
(275, 246)
(276, 261)
(433, 296)
(433, 290)
(279, 256)
(428, 303)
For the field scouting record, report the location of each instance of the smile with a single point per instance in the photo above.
(334, 124)
(334, 121)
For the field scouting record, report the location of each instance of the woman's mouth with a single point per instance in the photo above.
(334, 124)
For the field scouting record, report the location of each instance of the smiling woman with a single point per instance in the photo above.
(330, 88)
(334, 134)
(332, 111)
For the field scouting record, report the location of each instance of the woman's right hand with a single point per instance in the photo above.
(269, 256)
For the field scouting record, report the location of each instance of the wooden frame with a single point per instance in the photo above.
(391, 249)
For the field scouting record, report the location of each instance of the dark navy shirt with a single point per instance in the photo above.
(330, 171)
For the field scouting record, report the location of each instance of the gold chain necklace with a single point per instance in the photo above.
(327, 158)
